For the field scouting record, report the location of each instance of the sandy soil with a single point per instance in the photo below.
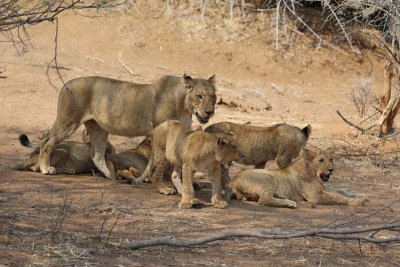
(303, 84)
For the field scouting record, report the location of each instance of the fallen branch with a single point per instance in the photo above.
(124, 65)
(341, 234)
(362, 130)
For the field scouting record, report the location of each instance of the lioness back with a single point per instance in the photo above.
(281, 142)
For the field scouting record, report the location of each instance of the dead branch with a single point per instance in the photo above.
(124, 64)
(341, 234)
(362, 130)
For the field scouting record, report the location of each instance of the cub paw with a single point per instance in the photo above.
(166, 189)
(185, 204)
(357, 201)
(220, 204)
(292, 204)
(48, 170)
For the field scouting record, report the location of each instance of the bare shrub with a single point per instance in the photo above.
(64, 210)
(362, 95)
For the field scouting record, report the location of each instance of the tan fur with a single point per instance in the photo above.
(130, 163)
(281, 142)
(68, 157)
(189, 152)
(300, 181)
(124, 108)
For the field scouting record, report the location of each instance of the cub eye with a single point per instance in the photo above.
(321, 160)
(199, 96)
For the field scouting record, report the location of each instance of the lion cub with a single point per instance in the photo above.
(68, 157)
(303, 180)
(281, 142)
(189, 152)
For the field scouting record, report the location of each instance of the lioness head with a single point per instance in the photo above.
(228, 150)
(321, 163)
(201, 97)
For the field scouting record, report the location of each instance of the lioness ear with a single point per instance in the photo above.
(187, 81)
(212, 80)
(307, 131)
(222, 141)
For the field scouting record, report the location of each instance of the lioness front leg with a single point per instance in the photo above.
(216, 199)
(187, 188)
(330, 198)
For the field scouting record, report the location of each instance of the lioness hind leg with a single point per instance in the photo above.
(58, 133)
(98, 139)
(266, 199)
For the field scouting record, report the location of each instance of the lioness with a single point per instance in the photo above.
(302, 180)
(68, 157)
(189, 152)
(281, 142)
(124, 108)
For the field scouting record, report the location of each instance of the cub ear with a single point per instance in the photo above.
(222, 141)
(85, 136)
(212, 80)
(307, 131)
(310, 152)
(187, 81)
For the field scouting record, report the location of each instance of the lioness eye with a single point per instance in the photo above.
(199, 96)
(321, 160)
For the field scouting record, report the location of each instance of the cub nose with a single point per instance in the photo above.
(331, 170)
(209, 113)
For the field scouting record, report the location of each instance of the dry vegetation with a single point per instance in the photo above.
(87, 220)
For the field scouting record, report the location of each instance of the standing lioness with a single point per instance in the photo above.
(124, 108)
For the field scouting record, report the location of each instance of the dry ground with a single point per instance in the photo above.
(303, 84)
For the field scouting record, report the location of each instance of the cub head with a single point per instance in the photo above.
(320, 163)
(227, 150)
(201, 97)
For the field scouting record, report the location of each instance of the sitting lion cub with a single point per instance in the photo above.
(189, 152)
(303, 180)
(281, 142)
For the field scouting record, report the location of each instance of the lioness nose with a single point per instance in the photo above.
(330, 170)
(209, 113)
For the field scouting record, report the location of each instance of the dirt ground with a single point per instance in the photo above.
(81, 220)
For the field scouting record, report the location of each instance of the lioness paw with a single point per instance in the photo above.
(49, 171)
(220, 204)
(185, 204)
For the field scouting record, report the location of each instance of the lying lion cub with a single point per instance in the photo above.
(189, 152)
(281, 142)
(303, 180)
(71, 157)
